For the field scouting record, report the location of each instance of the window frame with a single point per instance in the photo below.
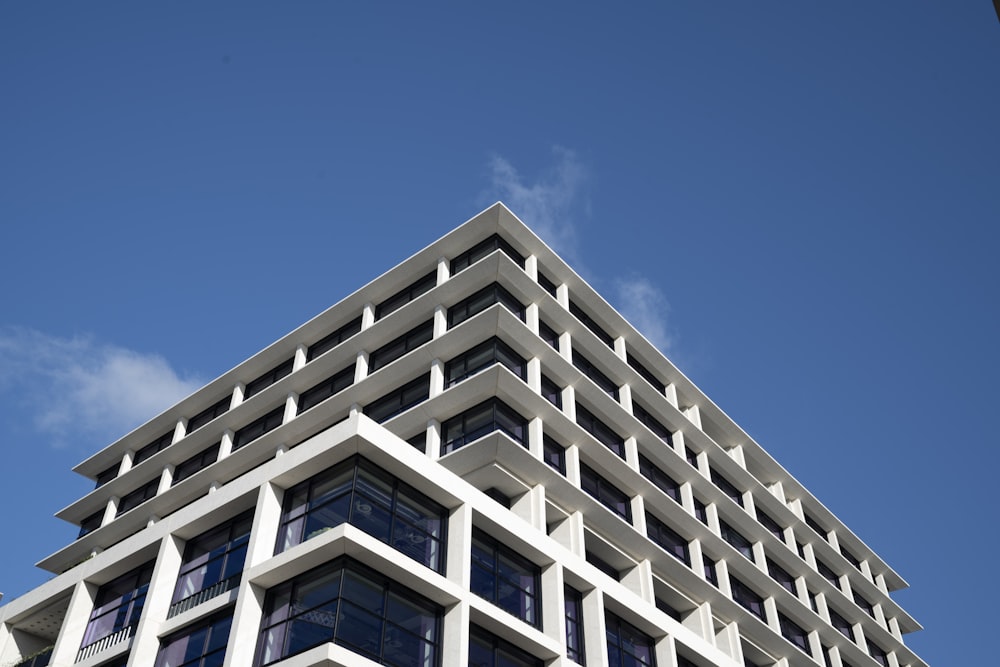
(495, 561)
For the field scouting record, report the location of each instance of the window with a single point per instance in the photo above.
(812, 600)
(660, 479)
(771, 525)
(117, 607)
(361, 494)
(879, 654)
(419, 441)
(487, 650)
(747, 598)
(793, 633)
(851, 558)
(554, 454)
(139, 496)
(548, 334)
(551, 392)
(801, 549)
(474, 423)
(601, 431)
(212, 564)
(589, 322)
(267, 379)
(197, 462)
(700, 511)
(547, 285)
(605, 493)
(505, 578)
(812, 523)
(865, 605)
(668, 539)
(480, 301)
(627, 645)
(258, 427)
(499, 496)
(91, 523)
(484, 355)
(736, 539)
(691, 456)
(106, 476)
(573, 604)
(667, 609)
(331, 341)
(726, 487)
(396, 348)
(399, 400)
(645, 373)
(208, 414)
(39, 658)
(603, 565)
(482, 249)
(200, 645)
(152, 448)
(349, 604)
(827, 573)
(585, 366)
(406, 295)
(684, 662)
(710, 573)
(841, 624)
(325, 389)
(661, 431)
(779, 574)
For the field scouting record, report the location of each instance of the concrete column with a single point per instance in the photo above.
(894, 630)
(459, 557)
(367, 315)
(440, 321)
(632, 452)
(566, 346)
(535, 375)
(880, 582)
(530, 506)
(434, 439)
(722, 574)
(554, 602)
(443, 270)
(573, 464)
(158, 596)
(814, 644)
(693, 414)
(531, 317)
(736, 453)
(291, 407)
(226, 445)
(570, 534)
(531, 267)
(437, 378)
(247, 614)
(239, 391)
(595, 642)
(264, 532)
(760, 556)
(678, 439)
(697, 556)
(625, 397)
(301, 356)
(687, 497)
(619, 346)
(771, 614)
(671, 394)
(126, 462)
(778, 491)
(180, 429)
(665, 650)
(562, 295)
(81, 603)
(166, 479)
(727, 640)
(361, 367)
(569, 402)
(639, 580)
(699, 622)
(110, 510)
(536, 436)
(638, 507)
(454, 636)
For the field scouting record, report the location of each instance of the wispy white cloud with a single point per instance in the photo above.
(645, 306)
(73, 388)
(550, 204)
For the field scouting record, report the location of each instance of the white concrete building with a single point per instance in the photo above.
(472, 460)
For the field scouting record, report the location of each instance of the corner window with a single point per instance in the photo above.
(474, 423)
(483, 249)
(212, 564)
(627, 645)
(482, 356)
(480, 301)
(505, 578)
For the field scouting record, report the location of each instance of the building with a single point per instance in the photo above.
(472, 460)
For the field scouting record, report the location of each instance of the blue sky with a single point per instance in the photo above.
(798, 202)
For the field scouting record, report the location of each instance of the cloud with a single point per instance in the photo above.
(646, 308)
(80, 388)
(548, 205)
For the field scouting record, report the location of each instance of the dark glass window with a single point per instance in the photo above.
(40, 659)
(700, 511)
(212, 564)
(482, 249)
(667, 609)
(645, 373)
(865, 605)
(548, 334)
(369, 498)
(474, 423)
(554, 454)
(710, 574)
(684, 662)
(826, 655)
(771, 525)
(399, 400)
(267, 379)
(661, 431)
(779, 574)
(480, 301)
(547, 285)
(879, 654)
(627, 645)
(152, 448)
(601, 431)
(117, 608)
(197, 462)
(484, 355)
(691, 456)
(747, 598)
(406, 295)
(605, 492)
(574, 624)
(91, 523)
(851, 558)
(349, 604)
(139, 496)
(396, 348)
(736, 539)
(841, 624)
(603, 565)
(499, 496)
(552, 392)
(325, 389)
(668, 539)
(812, 523)
(106, 476)
(812, 600)
(726, 487)
(660, 479)
(419, 441)
(793, 633)
(208, 414)
(258, 427)
(199, 645)
(801, 549)
(505, 578)
(331, 341)
(600, 379)
(487, 650)
(827, 573)
(589, 322)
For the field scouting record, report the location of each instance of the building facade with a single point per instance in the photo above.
(472, 460)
